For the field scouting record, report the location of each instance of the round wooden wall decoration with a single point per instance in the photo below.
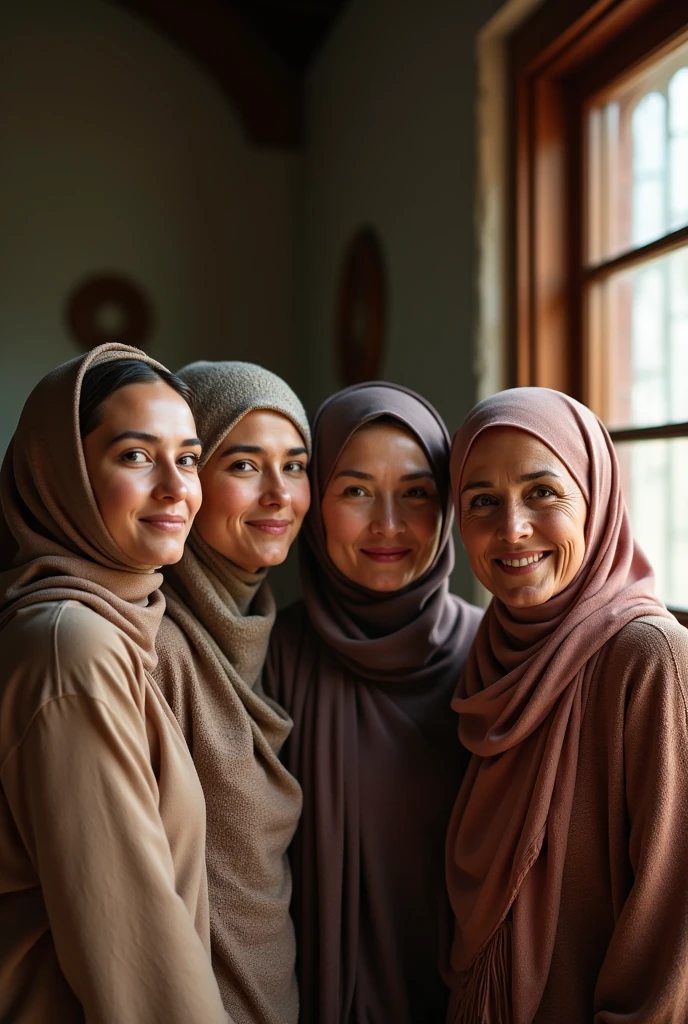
(109, 307)
(361, 311)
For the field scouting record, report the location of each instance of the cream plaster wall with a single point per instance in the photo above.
(393, 142)
(117, 152)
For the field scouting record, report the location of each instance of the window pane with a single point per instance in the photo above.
(641, 323)
(638, 159)
(655, 483)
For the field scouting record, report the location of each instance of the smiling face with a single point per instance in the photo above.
(142, 461)
(381, 509)
(522, 518)
(255, 491)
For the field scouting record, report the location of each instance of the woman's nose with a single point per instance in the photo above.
(276, 492)
(388, 519)
(171, 484)
(514, 523)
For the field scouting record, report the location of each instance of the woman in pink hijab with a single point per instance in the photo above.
(567, 853)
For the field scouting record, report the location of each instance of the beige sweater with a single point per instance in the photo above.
(621, 949)
(103, 896)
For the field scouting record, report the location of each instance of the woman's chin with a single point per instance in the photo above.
(258, 557)
(384, 582)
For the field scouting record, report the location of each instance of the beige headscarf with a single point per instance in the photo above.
(54, 545)
(212, 645)
(521, 703)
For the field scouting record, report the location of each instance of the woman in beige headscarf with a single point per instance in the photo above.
(103, 893)
(212, 645)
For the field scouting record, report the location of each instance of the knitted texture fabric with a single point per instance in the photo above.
(211, 646)
(224, 392)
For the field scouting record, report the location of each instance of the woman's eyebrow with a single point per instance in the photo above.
(421, 474)
(139, 435)
(355, 473)
(251, 449)
(475, 485)
(296, 451)
(536, 476)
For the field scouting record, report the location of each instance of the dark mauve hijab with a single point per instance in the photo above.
(54, 545)
(521, 703)
(368, 681)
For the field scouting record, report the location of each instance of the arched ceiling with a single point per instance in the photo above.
(257, 51)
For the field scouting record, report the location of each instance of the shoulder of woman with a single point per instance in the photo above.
(62, 649)
(651, 636)
(651, 647)
(65, 633)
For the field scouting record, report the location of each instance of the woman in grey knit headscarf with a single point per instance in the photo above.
(211, 646)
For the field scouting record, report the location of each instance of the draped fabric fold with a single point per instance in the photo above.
(521, 703)
(367, 678)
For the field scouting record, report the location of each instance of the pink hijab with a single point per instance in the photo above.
(521, 702)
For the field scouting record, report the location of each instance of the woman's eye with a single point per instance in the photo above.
(482, 501)
(134, 457)
(355, 492)
(242, 466)
(190, 459)
(417, 492)
(543, 492)
(294, 467)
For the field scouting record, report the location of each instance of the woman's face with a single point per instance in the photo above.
(255, 491)
(142, 461)
(381, 509)
(522, 518)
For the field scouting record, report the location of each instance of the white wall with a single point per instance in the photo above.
(393, 142)
(117, 152)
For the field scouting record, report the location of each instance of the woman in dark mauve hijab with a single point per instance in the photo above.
(366, 665)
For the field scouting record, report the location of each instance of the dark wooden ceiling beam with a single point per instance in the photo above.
(265, 92)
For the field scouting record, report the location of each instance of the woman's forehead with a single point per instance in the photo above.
(378, 442)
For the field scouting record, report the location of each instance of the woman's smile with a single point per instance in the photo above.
(386, 554)
(520, 563)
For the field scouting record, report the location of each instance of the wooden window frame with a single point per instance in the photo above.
(566, 52)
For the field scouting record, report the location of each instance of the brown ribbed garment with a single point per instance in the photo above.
(368, 678)
(567, 835)
(103, 893)
(212, 645)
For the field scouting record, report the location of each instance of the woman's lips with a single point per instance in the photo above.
(534, 559)
(168, 524)
(275, 527)
(386, 554)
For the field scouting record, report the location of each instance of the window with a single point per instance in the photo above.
(601, 222)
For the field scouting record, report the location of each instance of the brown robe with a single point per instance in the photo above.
(621, 948)
(103, 894)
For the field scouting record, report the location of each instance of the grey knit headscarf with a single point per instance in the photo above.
(225, 392)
